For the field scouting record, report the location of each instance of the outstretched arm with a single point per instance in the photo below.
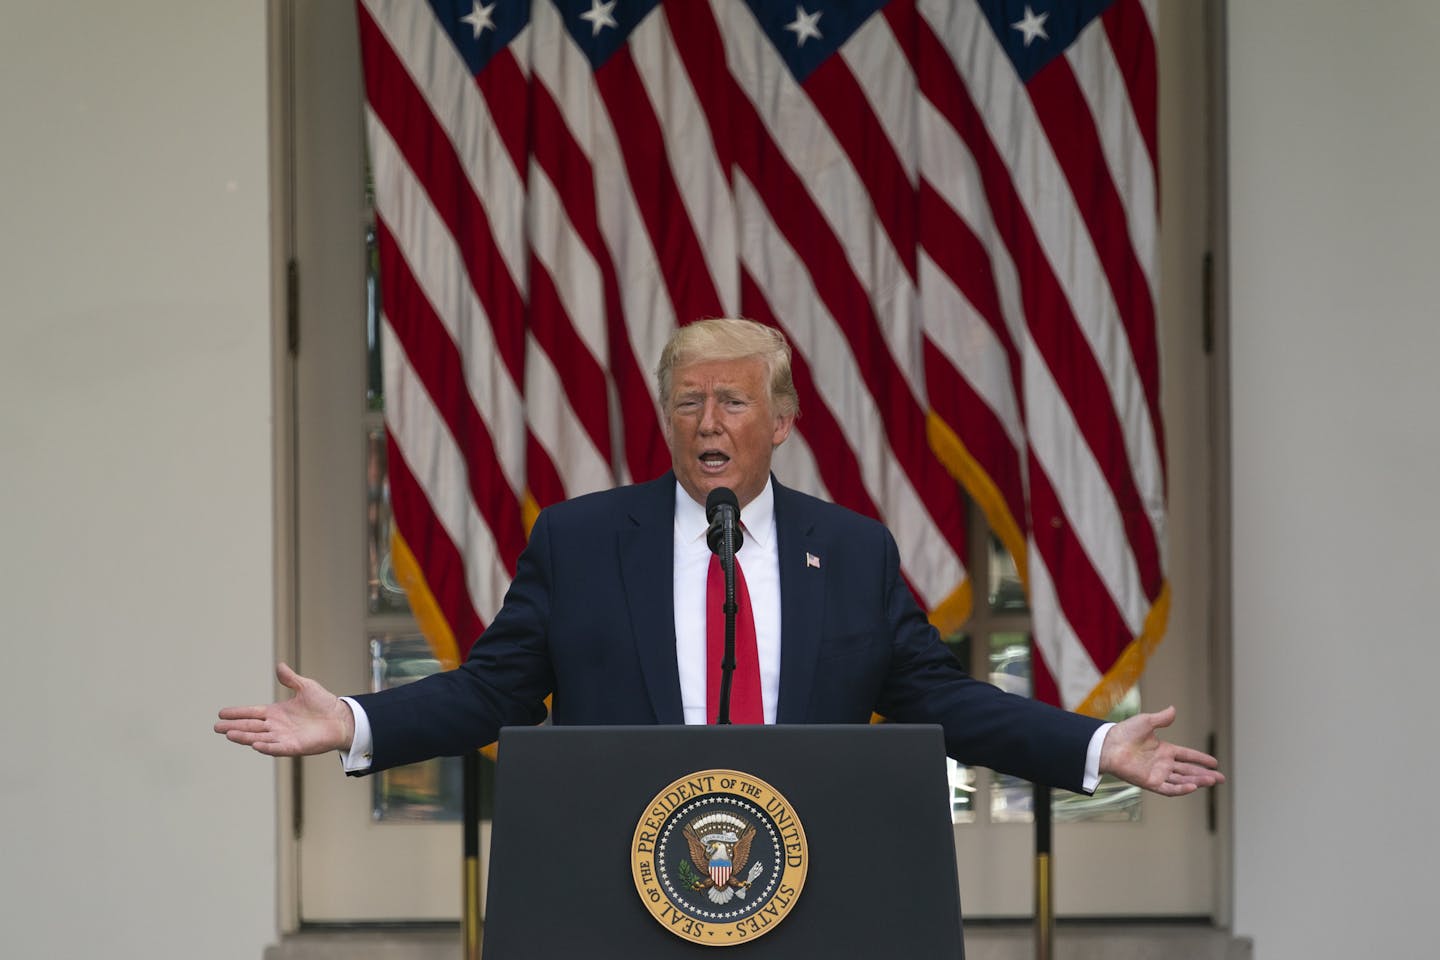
(1136, 755)
(313, 721)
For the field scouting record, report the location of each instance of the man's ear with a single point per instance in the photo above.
(782, 429)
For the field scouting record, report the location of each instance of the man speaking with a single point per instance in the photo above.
(613, 612)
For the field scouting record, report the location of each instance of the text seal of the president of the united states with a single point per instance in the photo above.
(719, 857)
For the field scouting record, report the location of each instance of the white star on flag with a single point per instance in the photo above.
(1032, 25)
(479, 18)
(805, 25)
(599, 16)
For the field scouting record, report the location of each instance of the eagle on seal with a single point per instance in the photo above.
(721, 859)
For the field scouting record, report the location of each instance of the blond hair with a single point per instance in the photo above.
(732, 338)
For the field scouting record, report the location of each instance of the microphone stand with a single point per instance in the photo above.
(727, 663)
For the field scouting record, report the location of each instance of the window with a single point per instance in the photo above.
(995, 645)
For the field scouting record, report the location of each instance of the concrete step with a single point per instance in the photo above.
(983, 941)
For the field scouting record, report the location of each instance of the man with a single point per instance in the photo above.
(608, 612)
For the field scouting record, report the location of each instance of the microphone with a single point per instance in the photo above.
(722, 511)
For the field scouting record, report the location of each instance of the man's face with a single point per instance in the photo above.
(721, 428)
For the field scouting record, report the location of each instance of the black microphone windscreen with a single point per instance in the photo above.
(720, 497)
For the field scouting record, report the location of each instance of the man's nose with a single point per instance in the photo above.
(710, 416)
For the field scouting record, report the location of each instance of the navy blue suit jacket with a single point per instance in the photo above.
(590, 618)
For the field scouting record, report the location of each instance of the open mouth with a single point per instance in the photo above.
(714, 460)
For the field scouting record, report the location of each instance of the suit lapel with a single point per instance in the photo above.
(647, 565)
(802, 601)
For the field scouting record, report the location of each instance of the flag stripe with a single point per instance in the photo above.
(572, 273)
(802, 226)
(701, 183)
(987, 438)
(503, 85)
(578, 373)
(1128, 28)
(1081, 594)
(429, 250)
(440, 99)
(805, 239)
(1053, 325)
(1061, 110)
(838, 466)
(402, 111)
(931, 554)
(1089, 508)
(436, 554)
(439, 366)
(843, 106)
(568, 168)
(555, 427)
(439, 474)
(563, 77)
(1056, 229)
(1131, 168)
(1061, 246)
(801, 171)
(963, 260)
(652, 183)
(1073, 673)
(559, 310)
(477, 137)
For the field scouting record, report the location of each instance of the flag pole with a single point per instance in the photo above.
(1044, 889)
(470, 815)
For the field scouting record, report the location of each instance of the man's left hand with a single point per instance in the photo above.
(1136, 755)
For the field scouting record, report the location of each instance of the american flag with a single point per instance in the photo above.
(948, 207)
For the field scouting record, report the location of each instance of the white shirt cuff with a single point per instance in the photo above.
(1092, 755)
(359, 757)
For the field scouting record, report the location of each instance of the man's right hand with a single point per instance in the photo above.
(313, 721)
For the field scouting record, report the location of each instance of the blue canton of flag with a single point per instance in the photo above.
(805, 34)
(600, 27)
(1034, 32)
(480, 30)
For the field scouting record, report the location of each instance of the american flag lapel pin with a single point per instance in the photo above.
(812, 561)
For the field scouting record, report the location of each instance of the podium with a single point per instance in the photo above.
(665, 841)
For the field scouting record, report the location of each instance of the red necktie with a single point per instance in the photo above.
(745, 704)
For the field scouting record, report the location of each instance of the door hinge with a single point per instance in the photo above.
(292, 306)
(1207, 304)
(1212, 802)
(297, 796)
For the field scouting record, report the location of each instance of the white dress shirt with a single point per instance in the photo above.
(760, 561)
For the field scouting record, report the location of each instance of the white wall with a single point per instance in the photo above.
(136, 572)
(1335, 262)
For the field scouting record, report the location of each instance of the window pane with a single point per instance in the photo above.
(1007, 593)
(1008, 663)
(383, 590)
(1113, 799)
(961, 778)
(1011, 799)
(374, 385)
(429, 791)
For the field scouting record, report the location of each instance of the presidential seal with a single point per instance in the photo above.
(719, 857)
